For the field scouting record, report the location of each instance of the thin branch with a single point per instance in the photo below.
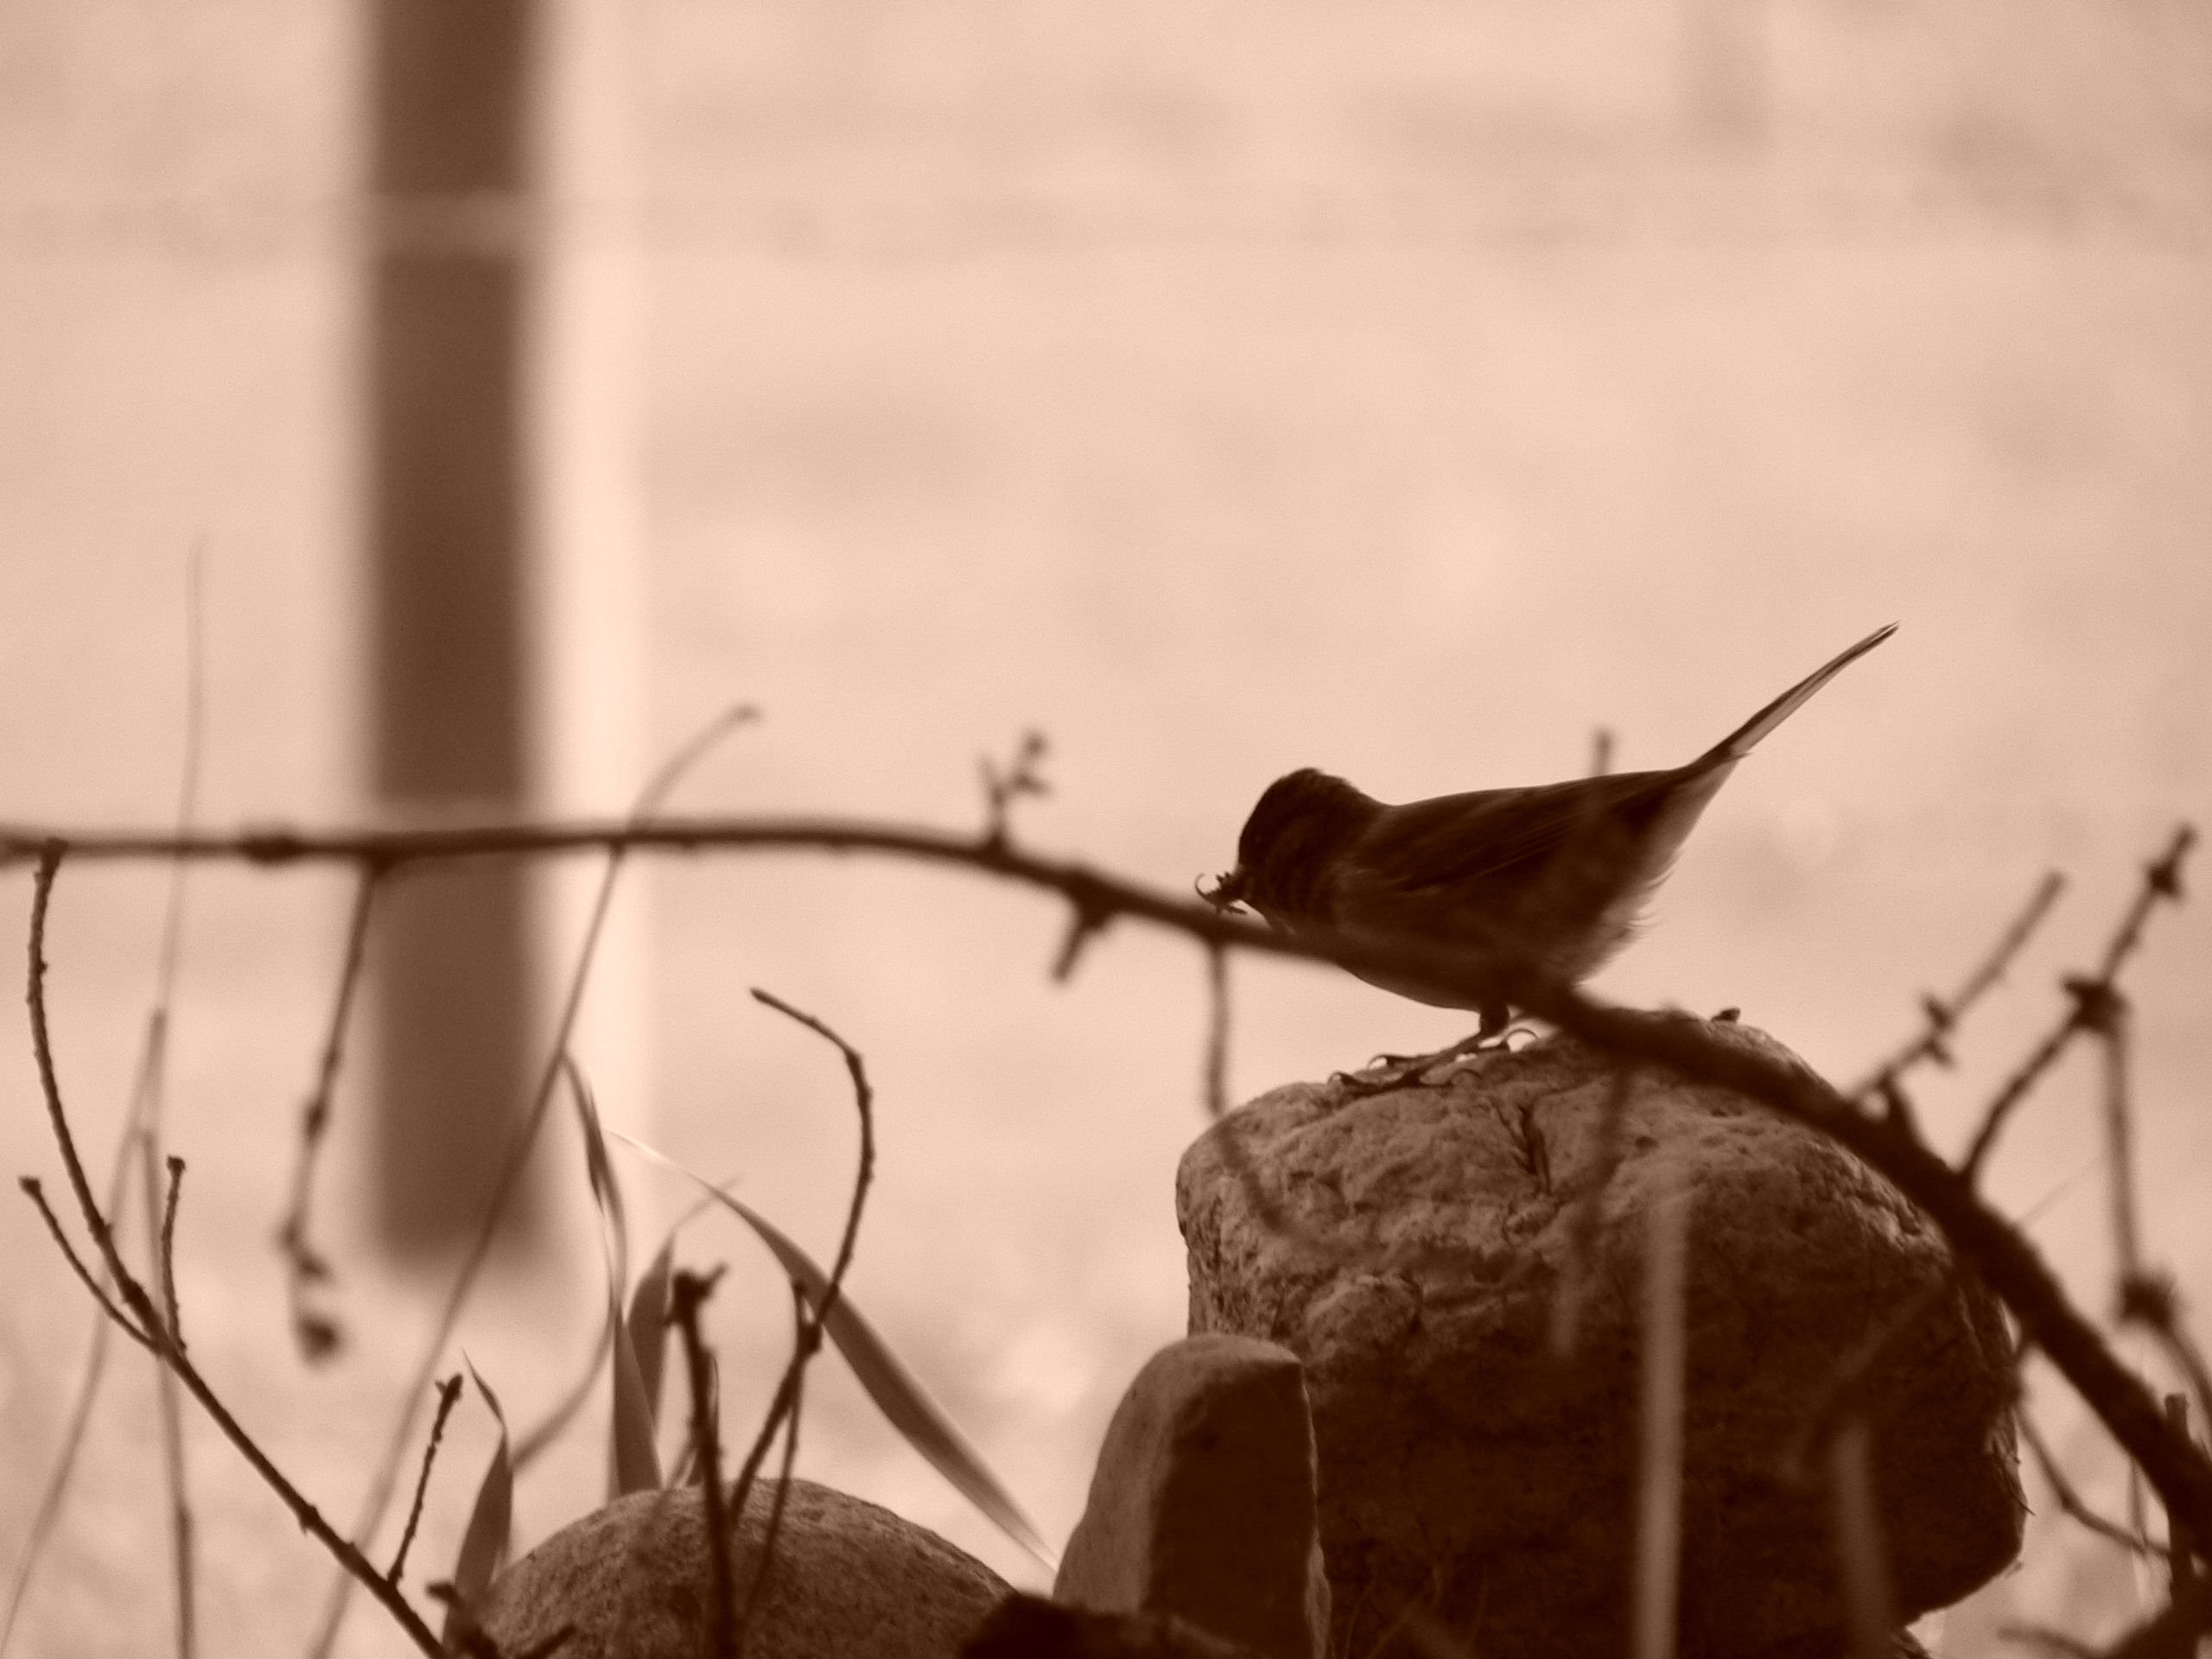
(2006, 1259)
(448, 1392)
(2119, 1152)
(169, 1250)
(146, 1319)
(766, 1561)
(1943, 1015)
(2173, 1631)
(386, 1478)
(146, 1114)
(161, 1244)
(2182, 1545)
(2070, 1502)
(810, 1338)
(318, 1334)
(1217, 1073)
(1002, 788)
(35, 1191)
(2091, 997)
(686, 1292)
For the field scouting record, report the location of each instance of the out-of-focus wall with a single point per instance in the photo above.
(1406, 390)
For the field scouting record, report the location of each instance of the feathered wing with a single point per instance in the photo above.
(1502, 838)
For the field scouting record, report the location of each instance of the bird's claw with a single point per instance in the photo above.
(1387, 1072)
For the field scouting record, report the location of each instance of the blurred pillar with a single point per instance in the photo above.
(1726, 66)
(449, 97)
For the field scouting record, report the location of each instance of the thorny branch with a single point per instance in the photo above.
(1943, 1015)
(2093, 997)
(2175, 1467)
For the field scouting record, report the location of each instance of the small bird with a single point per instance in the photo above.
(1558, 874)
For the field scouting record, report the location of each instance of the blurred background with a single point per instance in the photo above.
(1406, 389)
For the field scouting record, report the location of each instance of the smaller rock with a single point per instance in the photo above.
(1202, 1505)
(850, 1582)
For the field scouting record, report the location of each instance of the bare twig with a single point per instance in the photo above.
(2153, 1301)
(169, 1251)
(1942, 1014)
(810, 1337)
(318, 1334)
(1217, 1074)
(146, 1120)
(765, 1562)
(1085, 923)
(35, 1191)
(2172, 1632)
(2006, 1261)
(2070, 1502)
(2112, 1028)
(686, 1292)
(1001, 789)
(448, 1392)
(517, 1158)
(2182, 1545)
(145, 1320)
(2091, 997)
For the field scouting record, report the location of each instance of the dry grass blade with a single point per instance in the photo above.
(905, 1403)
(383, 1484)
(1862, 1559)
(1659, 1482)
(614, 1237)
(484, 1545)
(633, 1455)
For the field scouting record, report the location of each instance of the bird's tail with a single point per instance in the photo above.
(1738, 743)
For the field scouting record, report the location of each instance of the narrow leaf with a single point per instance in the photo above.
(648, 1324)
(905, 1403)
(484, 1545)
(637, 1462)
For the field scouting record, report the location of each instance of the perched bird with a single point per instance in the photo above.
(1558, 874)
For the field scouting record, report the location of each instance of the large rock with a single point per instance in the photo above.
(850, 1582)
(1466, 1469)
(1202, 1504)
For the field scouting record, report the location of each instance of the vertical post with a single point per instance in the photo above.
(448, 528)
(1727, 71)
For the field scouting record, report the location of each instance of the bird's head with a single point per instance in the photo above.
(1289, 843)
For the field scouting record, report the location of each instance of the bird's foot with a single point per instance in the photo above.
(1389, 1071)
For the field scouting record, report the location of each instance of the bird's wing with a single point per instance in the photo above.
(1497, 838)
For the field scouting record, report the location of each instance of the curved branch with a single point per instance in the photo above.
(2180, 1473)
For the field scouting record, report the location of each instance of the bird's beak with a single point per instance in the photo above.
(1227, 891)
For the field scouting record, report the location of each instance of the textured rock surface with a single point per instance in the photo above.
(1462, 1468)
(1202, 1504)
(851, 1581)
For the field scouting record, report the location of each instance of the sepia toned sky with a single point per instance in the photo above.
(1409, 390)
